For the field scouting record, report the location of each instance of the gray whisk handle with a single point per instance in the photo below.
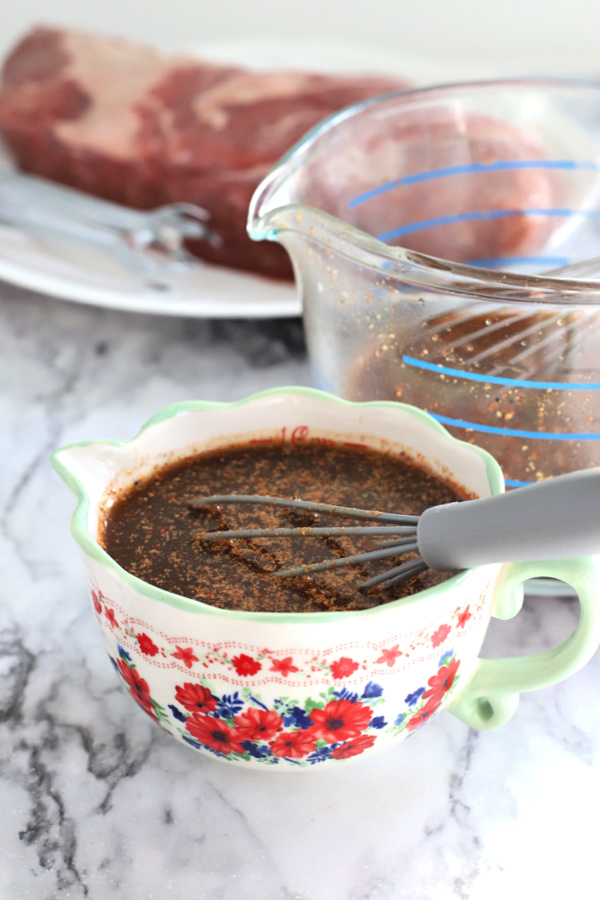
(554, 519)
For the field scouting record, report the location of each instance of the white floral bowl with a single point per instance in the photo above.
(290, 690)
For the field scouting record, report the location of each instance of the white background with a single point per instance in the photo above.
(531, 36)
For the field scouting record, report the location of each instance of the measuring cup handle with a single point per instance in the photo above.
(491, 694)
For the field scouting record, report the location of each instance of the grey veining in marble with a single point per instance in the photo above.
(97, 803)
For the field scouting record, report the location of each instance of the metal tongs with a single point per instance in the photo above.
(148, 243)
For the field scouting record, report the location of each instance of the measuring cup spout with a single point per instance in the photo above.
(288, 207)
(88, 466)
(276, 213)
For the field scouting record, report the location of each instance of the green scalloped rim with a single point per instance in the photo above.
(95, 551)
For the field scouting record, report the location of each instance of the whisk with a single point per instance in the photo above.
(557, 518)
(532, 341)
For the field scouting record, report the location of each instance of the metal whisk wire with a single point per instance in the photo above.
(404, 526)
(556, 518)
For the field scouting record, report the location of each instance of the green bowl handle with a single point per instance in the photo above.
(490, 696)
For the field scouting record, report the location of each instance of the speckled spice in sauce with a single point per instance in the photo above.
(150, 528)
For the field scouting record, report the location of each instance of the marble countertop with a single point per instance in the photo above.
(97, 803)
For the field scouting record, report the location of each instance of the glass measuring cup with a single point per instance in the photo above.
(420, 225)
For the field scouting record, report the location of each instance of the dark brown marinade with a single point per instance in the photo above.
(149, 528)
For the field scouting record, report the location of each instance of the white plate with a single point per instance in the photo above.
(85, 275)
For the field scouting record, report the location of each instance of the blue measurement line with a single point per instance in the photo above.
(505, 165)
(511, 482)
(492, 379)
(493, 261)
(515, 432)
(483, 215)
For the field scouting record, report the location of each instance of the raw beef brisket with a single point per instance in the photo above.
(129, 124)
